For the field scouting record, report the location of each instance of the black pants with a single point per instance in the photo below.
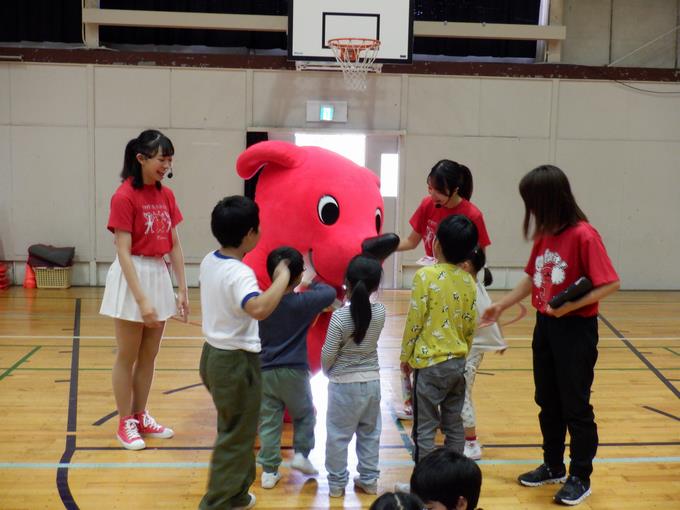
(564, 354)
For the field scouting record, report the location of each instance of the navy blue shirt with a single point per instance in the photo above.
(284, 332)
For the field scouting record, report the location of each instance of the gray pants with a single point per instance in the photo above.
(353, 408)
(285, 388)
(438, 396)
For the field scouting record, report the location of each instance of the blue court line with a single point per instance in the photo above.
(386, 463)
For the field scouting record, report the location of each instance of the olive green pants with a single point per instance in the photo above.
(234, 381)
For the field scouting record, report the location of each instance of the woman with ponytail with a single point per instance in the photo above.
(350, 360)
(139, 293)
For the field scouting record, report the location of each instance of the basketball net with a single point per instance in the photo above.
(356, 57)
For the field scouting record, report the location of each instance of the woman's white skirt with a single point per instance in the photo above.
(154, 277)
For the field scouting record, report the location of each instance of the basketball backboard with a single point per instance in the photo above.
(312, 23)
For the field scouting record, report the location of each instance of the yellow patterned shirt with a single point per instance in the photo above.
(441, 318)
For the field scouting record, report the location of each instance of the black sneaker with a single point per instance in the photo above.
(542, 475)
(573, 492)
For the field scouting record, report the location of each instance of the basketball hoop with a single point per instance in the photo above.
(356, 57)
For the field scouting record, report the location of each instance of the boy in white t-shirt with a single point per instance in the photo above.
(231, 304)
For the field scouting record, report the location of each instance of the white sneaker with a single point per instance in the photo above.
(473, 450)
(302, 463)
(269, 480)
(336, 492)
(367, 487)
(402, 487)
(250, 504)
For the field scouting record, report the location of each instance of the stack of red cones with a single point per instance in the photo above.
(4, 277)
(29, 278)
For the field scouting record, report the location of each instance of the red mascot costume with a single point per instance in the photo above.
(318, 202)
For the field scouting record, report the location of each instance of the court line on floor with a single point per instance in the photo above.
(383, 463)
(21, 361)
(641, 357)
(72, 417)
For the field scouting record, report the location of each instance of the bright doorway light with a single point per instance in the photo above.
(353, 147)
(389, 175)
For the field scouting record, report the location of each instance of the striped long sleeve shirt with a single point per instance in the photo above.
(343, 360)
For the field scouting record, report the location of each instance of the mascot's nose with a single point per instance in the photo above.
(382, 246)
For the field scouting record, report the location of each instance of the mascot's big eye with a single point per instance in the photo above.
(378, 220)
(328, 210)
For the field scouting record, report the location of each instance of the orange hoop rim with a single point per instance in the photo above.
(354, 43)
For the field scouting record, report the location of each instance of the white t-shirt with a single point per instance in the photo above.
(488, 338)
(226, 286)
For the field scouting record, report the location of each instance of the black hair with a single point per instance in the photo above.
(457, 236)
(477, 259)
(148, 143)
(397, 501)
(295, 266)
(444, 476)
(548, 198)
(363, 277)
(447, 177)
(232, 218)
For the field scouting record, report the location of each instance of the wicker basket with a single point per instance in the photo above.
(52, 277)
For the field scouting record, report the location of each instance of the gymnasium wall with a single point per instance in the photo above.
(63, 129)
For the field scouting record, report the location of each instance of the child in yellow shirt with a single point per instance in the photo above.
(439, 329)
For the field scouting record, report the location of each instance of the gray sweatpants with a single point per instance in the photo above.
(438, 396)
(353, 408)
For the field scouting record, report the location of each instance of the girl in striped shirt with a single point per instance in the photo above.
(350, 360)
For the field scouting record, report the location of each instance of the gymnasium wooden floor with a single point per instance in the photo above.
(57, 445)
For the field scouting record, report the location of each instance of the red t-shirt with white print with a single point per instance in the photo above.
(149, 214)
(559, 260)
(427, 217)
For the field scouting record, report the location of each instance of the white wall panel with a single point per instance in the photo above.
(518, 108)
(592, 110)
(208, 99)
(4, 94)
(130, 97)
(279, 100)
(6, 197)
(50, 186)
(48, 95)
(205, 172)
(650, 226)
(443, 106)
(654, 116)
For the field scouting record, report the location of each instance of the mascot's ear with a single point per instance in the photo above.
(282, 154)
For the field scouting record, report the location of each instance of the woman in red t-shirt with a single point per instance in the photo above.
(566, 248)
(139, 294)
(449, 185)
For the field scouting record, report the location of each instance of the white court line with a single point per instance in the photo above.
(92, 337)
(385, 463)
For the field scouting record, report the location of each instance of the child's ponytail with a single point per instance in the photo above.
(363, 278)
(360, 309)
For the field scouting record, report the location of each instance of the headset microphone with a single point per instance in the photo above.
(170, 174)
